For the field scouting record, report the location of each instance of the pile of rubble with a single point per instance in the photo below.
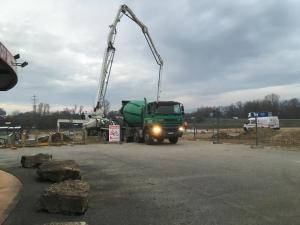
(68, 194)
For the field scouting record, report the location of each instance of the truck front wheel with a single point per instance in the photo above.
(173, 140)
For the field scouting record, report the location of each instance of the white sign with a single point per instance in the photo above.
(114, 133)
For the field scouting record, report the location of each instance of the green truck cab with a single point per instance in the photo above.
(153, 121)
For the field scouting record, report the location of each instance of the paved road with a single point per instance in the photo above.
(188, 183)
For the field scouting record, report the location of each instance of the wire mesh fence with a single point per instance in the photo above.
(231, 131)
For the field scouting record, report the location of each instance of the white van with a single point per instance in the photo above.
(262, 122)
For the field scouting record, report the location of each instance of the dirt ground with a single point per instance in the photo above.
(285, 137)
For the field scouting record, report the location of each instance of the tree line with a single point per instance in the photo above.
(43, 119)
(284, 109)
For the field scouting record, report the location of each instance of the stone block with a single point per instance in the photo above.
(29, 161)
(67, 197)
(59, 170)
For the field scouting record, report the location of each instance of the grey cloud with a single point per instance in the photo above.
(208, 48)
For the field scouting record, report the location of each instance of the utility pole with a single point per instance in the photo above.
(34, 99)
(194, 127)
(218, 126)
(256, 146)
(218, 111)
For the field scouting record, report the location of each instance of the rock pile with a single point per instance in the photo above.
(69, 195)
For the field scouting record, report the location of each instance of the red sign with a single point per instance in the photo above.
(114, 133)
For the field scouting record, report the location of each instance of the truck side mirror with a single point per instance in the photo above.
(182, 110)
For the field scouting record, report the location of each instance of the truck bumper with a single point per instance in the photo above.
(168, 133)
(172, 134)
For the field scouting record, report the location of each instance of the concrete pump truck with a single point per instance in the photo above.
(142, 121)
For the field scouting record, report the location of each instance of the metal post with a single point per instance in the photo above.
(194, 131)
(194, 127)
(218, 128)
(256, 146)
(256, 141)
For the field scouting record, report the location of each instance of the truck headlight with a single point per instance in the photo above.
(181, 129)
(156, 130)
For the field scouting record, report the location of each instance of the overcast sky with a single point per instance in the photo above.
(215, 52)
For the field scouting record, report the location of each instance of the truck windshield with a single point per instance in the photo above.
(168, 109)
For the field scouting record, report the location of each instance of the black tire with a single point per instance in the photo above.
(136, 138)
(104, 136)
(173, 140)
(160, 140)
(148, 138)
(122, 136)
(128, 139)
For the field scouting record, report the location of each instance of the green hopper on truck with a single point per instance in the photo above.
(153, 121)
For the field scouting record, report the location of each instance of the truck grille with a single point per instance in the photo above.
(170, 129)
(170, 120)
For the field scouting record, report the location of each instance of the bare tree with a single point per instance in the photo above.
(80, 109)
(46, 110)
(40, 108)
(273, 98)
(75, 109)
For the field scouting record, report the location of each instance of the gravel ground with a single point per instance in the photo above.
(188, 183)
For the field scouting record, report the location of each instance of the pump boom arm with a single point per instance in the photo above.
(110, 52)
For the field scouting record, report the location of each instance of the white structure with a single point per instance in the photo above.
(69, 121)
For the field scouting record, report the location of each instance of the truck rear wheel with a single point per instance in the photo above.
(105, 136)
(173, 140)
(148, 138)
(160, 140)
(128, 139)
(136, 137)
